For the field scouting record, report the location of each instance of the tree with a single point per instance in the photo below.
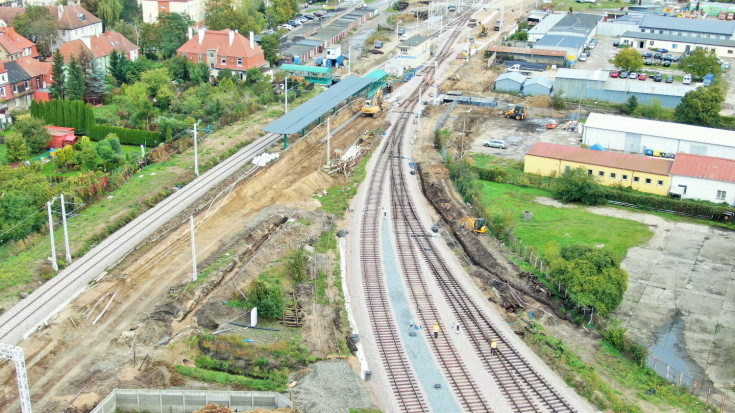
(34, 131)
(253, 75)
(700, 63)
(271, 46)
(631, 105)
(85, 153)
(24, 190)
(76, 83)
(519, 35)
(268, 299)
(280, 10)
(199, 73)
(39, 26)
(64, 157)
(57, 74)
(130, 12)
(174, 32)
(105, 151)
(91, 6)
(16, 147)
(628, 59)
(109, 11)
(150, 39)
(127, 29)
(96, 84)
(700, 106)
(576, 185)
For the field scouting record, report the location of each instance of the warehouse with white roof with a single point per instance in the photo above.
(634, 135)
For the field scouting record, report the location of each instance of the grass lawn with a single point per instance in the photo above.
(566, 226)
(564, 5)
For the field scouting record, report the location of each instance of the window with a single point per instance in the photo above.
(404, 50)
(211, 54)
(613, 175)
(601, 174)
(38, 82)
(683, 189)
(660, 32)
(28, 99)
(636, 179)
(25, 83)
(211, 65)
(2, 92)
(201, 57)
(648, 181)
(224, 60)
(17, 102)
(721, 195)
(15, 88)
(660, 182)
(589, 172)
(673, 46)
(239, 61)
(729, 51)
(567, 168)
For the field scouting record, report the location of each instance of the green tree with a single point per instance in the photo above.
(24, 191)
(628, 59)
(38, 25)
(76, 83)
(631, 105)
(127, 29)
(271, 46)
(700, 106)
(34, 131)
(174, 32)
(151, 37)
(109, 11)
(519, 35)
(64, 157)
(130, 12)
(96, 84)
(281, 10)
(57, 74)
(91, 6)
(85, 153)
(576, 185)
(268, 299)
(700, 63)
(199, 73)
(16, 147)
(105, 151)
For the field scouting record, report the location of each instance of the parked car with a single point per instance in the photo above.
(642, 76)
(670, 79)
(708, 79)
(648, 62)
(379, 44)
(318, 14)
(687, 79)
(582, 57)
(624, 75)
(632, 75)
(668, 57)
(662, 50)
(593, 44)
(657, 62)
(309, 16)
(616, 44)
(403, 38)
(677, 58)
(725, 66)
(495, 143)
(401, 31)
(658, 77)
(657, 55)
(615, 73)
(667, 63)
(647, 55)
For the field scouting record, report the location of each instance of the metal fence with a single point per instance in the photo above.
(713, 398)
(186, 401)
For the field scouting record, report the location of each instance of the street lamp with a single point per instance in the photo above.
(464, 132)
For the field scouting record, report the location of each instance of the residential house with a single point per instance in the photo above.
(100, 47)
(19, 87)
(703, 177)
(641, 173)
(223, 49)
(40, 74)
(192, 8)
(4, 95)
(7, 15)
(13, 46)
(74, 23)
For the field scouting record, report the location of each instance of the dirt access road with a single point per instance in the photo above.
(85, 362)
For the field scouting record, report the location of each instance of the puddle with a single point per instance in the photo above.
(670, 350)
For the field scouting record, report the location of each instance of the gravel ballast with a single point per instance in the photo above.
(332, 386)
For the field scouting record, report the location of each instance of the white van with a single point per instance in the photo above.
(687, 79)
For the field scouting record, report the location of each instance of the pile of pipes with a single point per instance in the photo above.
(264, 158)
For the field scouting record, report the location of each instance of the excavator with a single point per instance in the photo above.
(476, 225)
(373, 107)
(483, 30)
(518, 112)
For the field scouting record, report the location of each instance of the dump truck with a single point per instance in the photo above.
(518, 112)
(372, 106)
(498, 25)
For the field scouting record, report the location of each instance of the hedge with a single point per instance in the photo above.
(125, 135)
(649, 201)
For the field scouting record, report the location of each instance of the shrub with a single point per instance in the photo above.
(296, 265)
(576, 185)
(268, 299)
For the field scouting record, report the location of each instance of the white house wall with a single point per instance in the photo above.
(679, 46)
(704, 189)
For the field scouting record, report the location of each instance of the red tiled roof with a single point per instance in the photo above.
(705, 167)
(14, 43)
(7, 14)
(219, 40)
(101, 45)
(601, 158)
(35, 67)
(73, 16)
(118, 41)
(525, 50)
(73, 47)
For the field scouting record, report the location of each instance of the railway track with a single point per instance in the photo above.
(42, 304)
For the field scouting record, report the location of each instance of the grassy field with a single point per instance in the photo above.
(565, 225)
(564, 5)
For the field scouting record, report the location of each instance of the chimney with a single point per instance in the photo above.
(200, 34)
(60, 9)
(252, 40)
(231, 34)
(191, 32)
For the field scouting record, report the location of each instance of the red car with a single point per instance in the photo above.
(643, 76)
(615, 73)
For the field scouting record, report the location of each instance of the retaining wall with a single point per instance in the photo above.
(186, 401)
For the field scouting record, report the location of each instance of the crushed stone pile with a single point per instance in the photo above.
(332, 386)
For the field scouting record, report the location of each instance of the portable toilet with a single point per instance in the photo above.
(319, 61)
(297, 60)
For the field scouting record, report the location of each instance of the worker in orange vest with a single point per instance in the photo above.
(493, 347)
(436, 329)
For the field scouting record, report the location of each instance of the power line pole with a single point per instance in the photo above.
(51, 234)
(193, 249)
(66, 234)
(196, 153)
(285, 88)
(329, 135)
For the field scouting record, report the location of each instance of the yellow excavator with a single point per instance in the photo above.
(518, 112)
(483, 30)
(476, 225)
(373, 107)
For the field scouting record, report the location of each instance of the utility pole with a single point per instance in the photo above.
(328, 138)
(196, 153)
(419, 106)
(349, 58)
(193, 249)
(51, 235)
(66, 234)
(285, 88)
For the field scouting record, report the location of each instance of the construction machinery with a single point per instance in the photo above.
(518, 112)
(476, 225)
(372, 106)
(483, 30)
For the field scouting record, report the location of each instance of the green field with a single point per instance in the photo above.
(566, 226)
(564, 5)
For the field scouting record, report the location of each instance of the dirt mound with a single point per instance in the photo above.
(303, 189)
(540, 101)
(212, 314)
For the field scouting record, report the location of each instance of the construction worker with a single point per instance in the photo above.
(493, 347)
(436, 330)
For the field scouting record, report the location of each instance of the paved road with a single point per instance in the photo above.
(23, 318)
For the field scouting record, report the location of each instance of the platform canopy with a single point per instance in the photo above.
(299, 118)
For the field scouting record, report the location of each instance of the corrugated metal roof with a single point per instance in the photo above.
(415, 40)
(572, 42)
(546, 24)
(705, 167)
(654, 88)
(609, 159)
(724, 27)
(669, 130)
(577, 22)
(309, 111)
(376, 74)
(526, 50)
(514, 76)
(304, 68)
(539, 80)
(565, 73)
(676, 38)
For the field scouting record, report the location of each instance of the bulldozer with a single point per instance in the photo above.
(518, 112)
(373, 107)
(476, 225)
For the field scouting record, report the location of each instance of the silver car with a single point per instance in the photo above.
(495, 143)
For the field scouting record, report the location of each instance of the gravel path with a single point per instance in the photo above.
(332, 386)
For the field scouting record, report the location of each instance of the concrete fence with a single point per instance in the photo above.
(186, 401)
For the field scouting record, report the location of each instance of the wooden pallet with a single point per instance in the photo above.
(293, 316)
